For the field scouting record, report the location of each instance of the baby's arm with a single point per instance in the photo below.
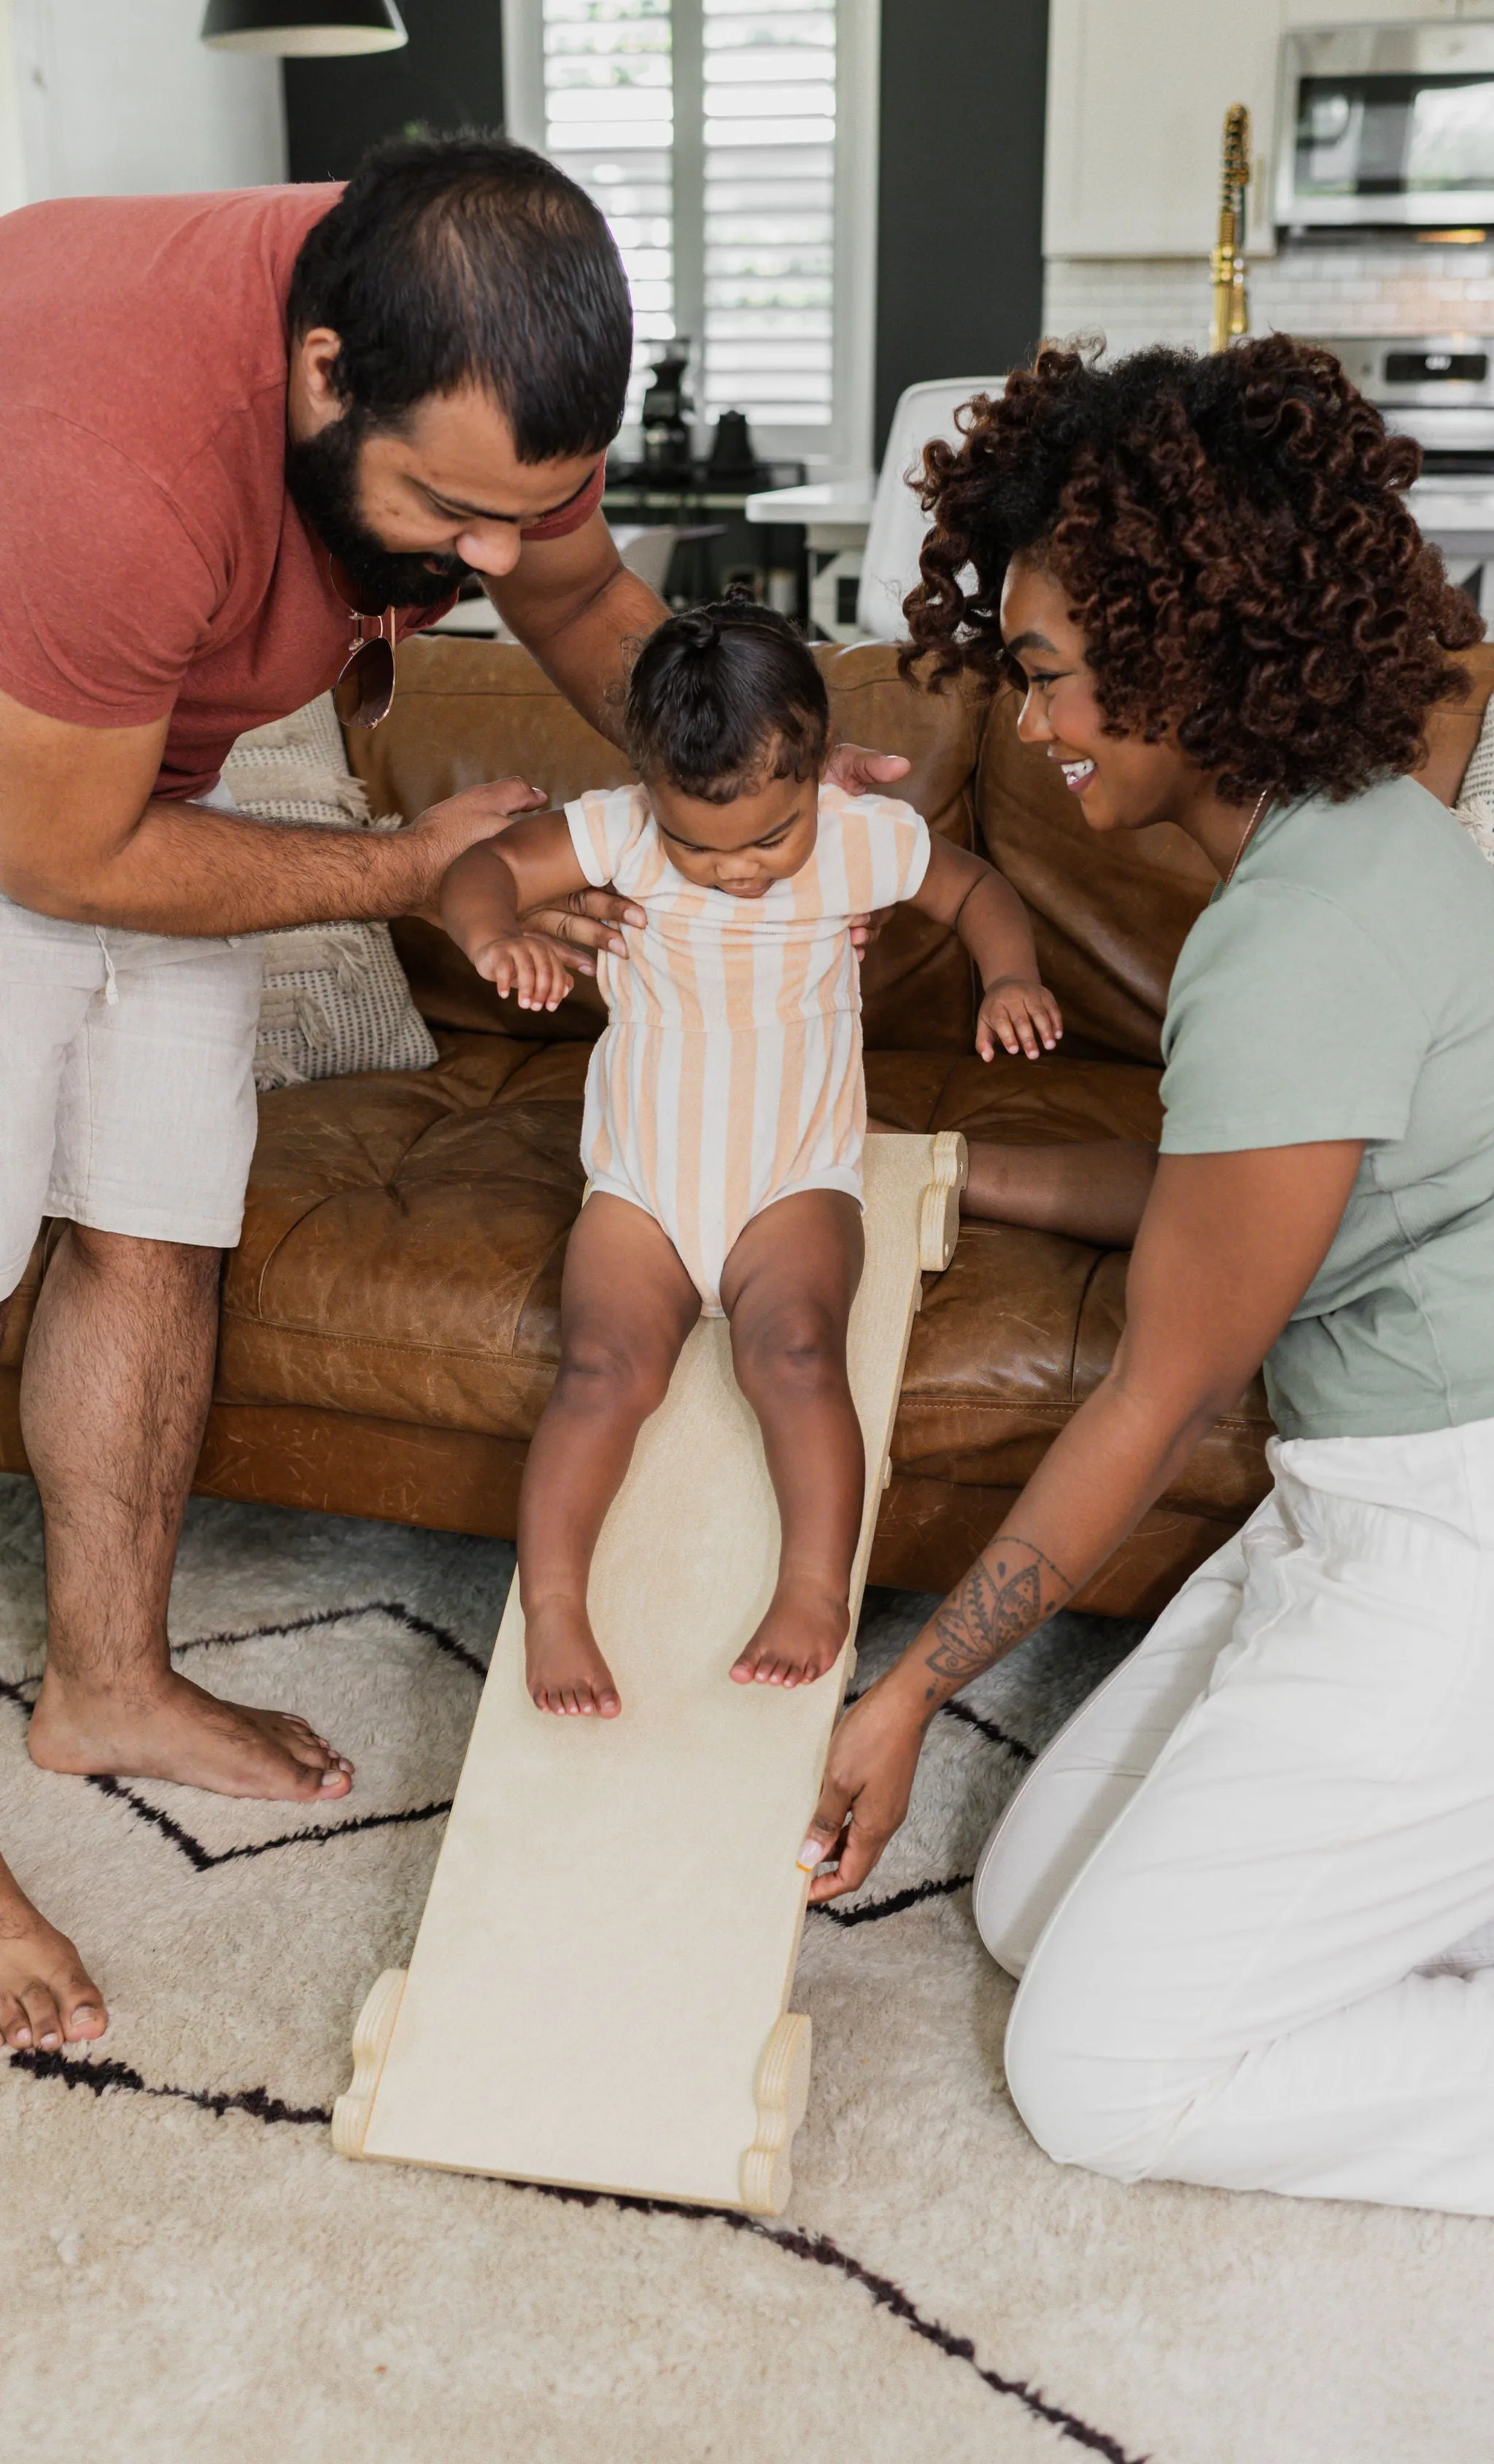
(532, 864)
(967, 894)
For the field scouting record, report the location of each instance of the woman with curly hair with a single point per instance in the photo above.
(1236, 1887)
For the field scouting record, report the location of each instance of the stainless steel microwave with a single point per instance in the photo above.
(1388, 126)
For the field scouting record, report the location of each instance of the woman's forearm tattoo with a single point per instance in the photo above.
(992, 1609)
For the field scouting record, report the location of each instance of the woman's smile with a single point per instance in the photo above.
(1078, 773)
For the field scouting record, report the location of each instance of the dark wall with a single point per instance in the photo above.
(448, 75)
(960, 234)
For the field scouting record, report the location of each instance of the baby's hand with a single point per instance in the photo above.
(1023, 1016)
(525, 965)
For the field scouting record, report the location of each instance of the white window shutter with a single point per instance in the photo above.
(769, 208)
(609, 122)
(755, 181)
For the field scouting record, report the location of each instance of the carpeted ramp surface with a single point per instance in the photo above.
(187, 2272)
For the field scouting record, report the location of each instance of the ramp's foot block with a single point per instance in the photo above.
(782, 2091)
(938, 1224)
(370, 2044)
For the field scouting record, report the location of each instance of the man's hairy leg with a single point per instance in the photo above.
(47, 1998)
(114, 1398)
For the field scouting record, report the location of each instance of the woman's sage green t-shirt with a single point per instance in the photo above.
(1342, 986)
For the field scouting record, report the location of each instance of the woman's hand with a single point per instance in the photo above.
(526, 965)
(867, 1781)
(1022, 1016)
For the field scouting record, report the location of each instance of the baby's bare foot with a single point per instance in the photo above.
(563, 1669)
(177, 1731)
(47, 1999)
(798, 1641)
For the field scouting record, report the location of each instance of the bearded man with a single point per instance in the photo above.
(243, 433)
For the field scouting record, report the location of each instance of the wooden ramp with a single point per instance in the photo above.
(597, 1992)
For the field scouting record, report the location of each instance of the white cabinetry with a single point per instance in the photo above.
(1137, 92)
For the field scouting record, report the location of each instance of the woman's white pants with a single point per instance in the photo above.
(1244, 1888)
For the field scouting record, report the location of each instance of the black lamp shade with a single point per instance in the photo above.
(303, 29)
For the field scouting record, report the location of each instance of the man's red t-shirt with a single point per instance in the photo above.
(150, 559)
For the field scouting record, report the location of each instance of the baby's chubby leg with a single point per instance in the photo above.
(787, 1287)
(626, 1306)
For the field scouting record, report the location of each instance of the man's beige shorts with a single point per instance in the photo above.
(126, 1083)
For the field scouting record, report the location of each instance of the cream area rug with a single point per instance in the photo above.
(189, 2273)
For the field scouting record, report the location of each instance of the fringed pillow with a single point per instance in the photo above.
(335, 998)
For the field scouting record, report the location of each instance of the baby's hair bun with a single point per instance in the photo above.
(722, 694)
(697, 630)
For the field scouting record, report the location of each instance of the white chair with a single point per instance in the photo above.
(889, 559)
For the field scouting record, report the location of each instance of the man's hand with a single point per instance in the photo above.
(444, 831)
(861, 772)
(1022, 1016)
(863, 1798)
(525, 965)
(584, 921)
(574, 925)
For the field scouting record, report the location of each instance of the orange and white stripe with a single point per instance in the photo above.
(730, 1073)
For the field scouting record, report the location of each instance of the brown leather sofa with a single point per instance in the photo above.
(390, 1316)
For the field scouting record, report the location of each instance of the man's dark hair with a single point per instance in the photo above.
(724, 698)
(467, 260)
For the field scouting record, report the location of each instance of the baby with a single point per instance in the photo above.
(725, 1104)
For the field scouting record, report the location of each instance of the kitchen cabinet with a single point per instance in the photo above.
(1137, 92)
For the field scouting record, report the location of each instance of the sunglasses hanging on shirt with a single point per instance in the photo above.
(365, 689)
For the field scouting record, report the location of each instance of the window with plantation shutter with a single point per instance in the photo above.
(708, 132)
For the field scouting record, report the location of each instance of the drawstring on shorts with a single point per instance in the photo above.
(111, 990)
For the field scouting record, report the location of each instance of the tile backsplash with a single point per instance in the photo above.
(1411, 288)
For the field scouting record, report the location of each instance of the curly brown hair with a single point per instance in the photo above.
(1234, 535)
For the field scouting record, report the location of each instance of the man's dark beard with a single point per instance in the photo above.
(321, 476)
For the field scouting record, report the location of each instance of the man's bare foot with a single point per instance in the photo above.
(563, 1669)
(798, 1641)
(46, 1998)
(177, 1731)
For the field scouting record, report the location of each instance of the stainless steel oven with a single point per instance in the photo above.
(1386, 126)
(1438, 388)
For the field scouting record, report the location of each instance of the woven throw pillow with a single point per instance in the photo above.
(1475, 805)
(335, 998)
